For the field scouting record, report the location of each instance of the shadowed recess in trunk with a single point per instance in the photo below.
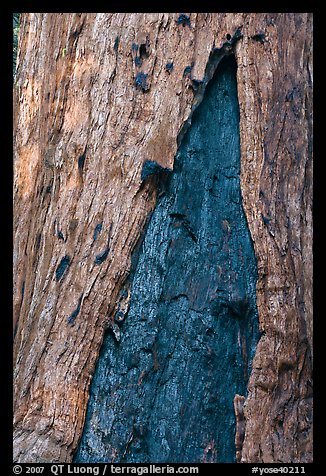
(164, 392)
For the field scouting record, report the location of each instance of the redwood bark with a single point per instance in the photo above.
(90, 109)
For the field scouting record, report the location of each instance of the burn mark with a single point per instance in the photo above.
(62, 267)
(260, 37)
(196, 84)
(141, 82)
(138, 61)
(116, 43)
(237, 36)
(291, 95)
(78, 30)
(38, 240)
(101, 257)
(183, 220)
(183, 20)
(119, 316)
(112, 327)
(169, 67)
(151, 168)
(190, 230)
(178, 216)
(266, 220)
(187, 71)
(144, 49)
(74, 314)
(138, 58)
(222, 306)
(73, 224)
(97, 231)
(123, 304)
(81, 160)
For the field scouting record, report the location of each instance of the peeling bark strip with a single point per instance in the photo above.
(166, 378)
(75, 85)
(240, 425)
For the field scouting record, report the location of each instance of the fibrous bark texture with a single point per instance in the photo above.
(102, 104)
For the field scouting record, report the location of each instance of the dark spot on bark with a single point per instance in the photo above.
(38, 240)
(183, 20)
(187, 72)
(134, 47)
(48, 188)
(169, 67)
(60, 235)
(133, 360)
(119, 316)
(184, 221)
(144, 49)
(97, 231)
(81, 160)
(294, 97)
(140, 430)
(298, 21)
(101, 257)
(74, 314)
(62, 267)
(237, 35)
(196, 84)
(73, 224)
(285, 366)
(190, 230)
(116, 43)
(23, 290)
(151, 167)
(260, 37)
(138, 61)
(123, 292)
(178, 216)
(78, 30)
(228, 36)
(141, 82)
(266, 220)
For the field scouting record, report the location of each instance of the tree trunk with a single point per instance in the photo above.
(114, 120)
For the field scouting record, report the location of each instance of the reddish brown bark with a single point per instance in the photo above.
(76, 88)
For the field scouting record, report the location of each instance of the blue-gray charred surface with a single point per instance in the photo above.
(163, 391)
